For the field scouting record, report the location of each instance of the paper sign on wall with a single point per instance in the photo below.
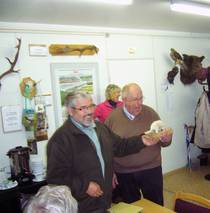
(11, 118)
(38, 50)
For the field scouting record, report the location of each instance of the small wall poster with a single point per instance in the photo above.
(11, 118)
(32, 144)
(38, 50)
(41, 123)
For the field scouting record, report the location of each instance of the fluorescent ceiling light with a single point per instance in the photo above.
(119, 2)
(190, 7)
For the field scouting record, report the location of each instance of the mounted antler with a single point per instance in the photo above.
(11, 70)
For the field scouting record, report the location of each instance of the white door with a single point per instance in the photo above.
(140, 71)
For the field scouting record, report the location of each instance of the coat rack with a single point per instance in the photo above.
(208, 84)
(207, 176)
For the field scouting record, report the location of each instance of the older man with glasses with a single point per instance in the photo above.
(141, 171)
(80, 155)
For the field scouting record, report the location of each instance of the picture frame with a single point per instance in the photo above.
(71, 77)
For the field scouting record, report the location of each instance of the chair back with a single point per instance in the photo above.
(191, 203)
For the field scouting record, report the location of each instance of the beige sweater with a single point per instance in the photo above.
(147, 158)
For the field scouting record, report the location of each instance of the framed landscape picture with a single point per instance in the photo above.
(70, 77)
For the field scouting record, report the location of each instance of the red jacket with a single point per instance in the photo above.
(103, 109)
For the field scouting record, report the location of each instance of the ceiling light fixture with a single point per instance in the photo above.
(118, 2)
(191, 7)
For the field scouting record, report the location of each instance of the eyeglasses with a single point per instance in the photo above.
(84, 108)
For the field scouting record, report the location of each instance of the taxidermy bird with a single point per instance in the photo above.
(172, 74)
(176, 56)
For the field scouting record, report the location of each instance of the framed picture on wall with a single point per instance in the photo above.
(70, 77)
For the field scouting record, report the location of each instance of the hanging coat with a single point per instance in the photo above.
(202, 114)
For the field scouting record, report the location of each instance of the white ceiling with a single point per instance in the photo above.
(143, 14)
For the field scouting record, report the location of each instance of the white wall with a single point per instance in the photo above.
(125, 46)
(38, 68)
(182, 98)
(9, 95)
(130, 59)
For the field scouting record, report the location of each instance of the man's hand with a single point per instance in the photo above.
(166, 135)
(150, 139)
(94, 190)
(114, 181)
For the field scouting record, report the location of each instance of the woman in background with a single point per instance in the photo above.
(112, 94)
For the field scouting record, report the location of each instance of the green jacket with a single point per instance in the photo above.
(72, 161)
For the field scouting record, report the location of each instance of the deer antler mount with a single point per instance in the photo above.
(12, 64)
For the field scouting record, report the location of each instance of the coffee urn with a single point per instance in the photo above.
(20, 164)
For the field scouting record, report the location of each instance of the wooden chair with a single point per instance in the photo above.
(191, 203)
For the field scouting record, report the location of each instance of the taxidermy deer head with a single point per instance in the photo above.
(190, 67)
(11, 70)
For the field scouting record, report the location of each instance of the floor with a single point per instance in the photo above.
(186, 180)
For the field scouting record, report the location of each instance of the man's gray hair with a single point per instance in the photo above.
(72, 97)
(126, 89)
(52, 199)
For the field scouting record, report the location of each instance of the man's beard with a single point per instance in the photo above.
(88, 121)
